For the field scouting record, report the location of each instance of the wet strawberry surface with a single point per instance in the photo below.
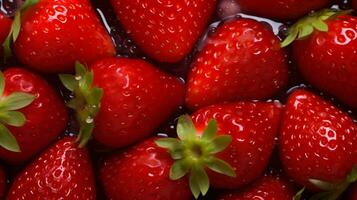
(125, 46)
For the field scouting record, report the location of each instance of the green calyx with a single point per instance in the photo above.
(306, 26)
(332, 191)
(15, 27)
(86, 101)
(10, 116)
(194, 153)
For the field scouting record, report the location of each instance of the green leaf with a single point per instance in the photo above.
(305, 31)
(68, 81)
(200, 177)
(323, 185)
(16, 26)
(81, 70)
(2, 83)
(320, 25)
(352, 177)
(298, 195)
(221, 167)
(7, 47)
(210, 130)
(167, 143)
(195, 188)
(178, 170)
(16, 100)
(12, 118)
(85, 134)
(185, 128)
(27, 4)
(7, 140)
(219, 144)
(290, 38)
(96, 95)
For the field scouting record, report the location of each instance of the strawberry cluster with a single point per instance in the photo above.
(252, 113)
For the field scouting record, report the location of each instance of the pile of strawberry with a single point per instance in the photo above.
(235, 140)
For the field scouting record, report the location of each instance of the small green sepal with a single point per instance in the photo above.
(10, 116)
(332, 191)
(298, 195)
(16, 27)
(86, 101)
(307, 25)
(195, 153)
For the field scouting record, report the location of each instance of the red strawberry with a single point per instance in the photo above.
(5, 25)
(34, 126)
(281, 9)
(63, 171)
(56, 33)
(317, 141)
(165, 30)
(251, 127)
(354, 5)
(3, 183)
(241, 60)
(137, 99)
(354, 193)
(268, 187)
(326, 57)
(142, 172)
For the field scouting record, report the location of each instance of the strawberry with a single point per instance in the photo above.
(31, 113)
(3, 183)
(283, 10)
(317, 143)
(141, 172)
(5, 25)
(63, 171)
(56, 33)
(353, 195)
(268, 187)
(325, 53)
(241, 60)
(129, 100)
(165, 30)
(236, 156)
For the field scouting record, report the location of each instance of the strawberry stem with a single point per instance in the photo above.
(86, 101)
(193, 154)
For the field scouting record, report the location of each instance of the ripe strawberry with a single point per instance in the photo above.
(142, 172)
(165, 30)
(5, 25)
(56, 33)
(137, 99)
(325, 53)
(249, 127)
(282, 9)
(31, 112)
(2, 183)
(241, 60)
(63, 171)
(268, 187)
(317, 142)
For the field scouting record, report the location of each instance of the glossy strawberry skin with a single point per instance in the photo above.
(165, 30)
(46, 116)
(56, 33)
(142, 172)
(328, 60)
(137, 99)
(283, 10)
(3, 183)
(253, 127)
(317, 140)
(63, 171)
(242, 60)
(268, 187)
(5, 25)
